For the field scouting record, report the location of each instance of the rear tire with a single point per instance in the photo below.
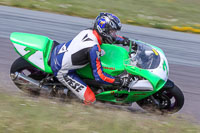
(170, 100)
(20, 65)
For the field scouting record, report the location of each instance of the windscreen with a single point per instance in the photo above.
(145, 57)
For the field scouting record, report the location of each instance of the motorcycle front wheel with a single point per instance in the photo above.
(169, 100)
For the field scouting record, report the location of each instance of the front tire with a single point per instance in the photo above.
(168, 100)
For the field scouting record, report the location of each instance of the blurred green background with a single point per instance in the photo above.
(162, 14)
(23, 114)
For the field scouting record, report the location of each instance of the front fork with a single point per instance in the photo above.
(169, 84)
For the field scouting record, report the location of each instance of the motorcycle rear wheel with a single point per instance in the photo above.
(20, 65)
(169, 100)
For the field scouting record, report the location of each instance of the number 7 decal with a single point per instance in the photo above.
(31, 52)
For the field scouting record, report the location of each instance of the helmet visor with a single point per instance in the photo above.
(113, 33)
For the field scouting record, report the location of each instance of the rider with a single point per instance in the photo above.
(84, 49)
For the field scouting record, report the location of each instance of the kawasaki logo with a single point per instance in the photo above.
(75, 85)
(110, 68)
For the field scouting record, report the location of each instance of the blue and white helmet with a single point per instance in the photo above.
(107, 24)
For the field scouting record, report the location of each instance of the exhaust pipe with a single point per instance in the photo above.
(19, 76)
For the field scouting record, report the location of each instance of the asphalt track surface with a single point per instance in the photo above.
(181, 49)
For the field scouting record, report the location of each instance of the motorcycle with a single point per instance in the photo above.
(146, 66)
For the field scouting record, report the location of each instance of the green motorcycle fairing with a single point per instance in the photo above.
(112, 61)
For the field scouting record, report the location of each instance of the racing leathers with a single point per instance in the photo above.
(75, 54)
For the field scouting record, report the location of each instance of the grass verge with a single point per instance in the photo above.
(163, 14)
(36, 115)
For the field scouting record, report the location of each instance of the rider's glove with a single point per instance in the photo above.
(122, 80)
(126, 41)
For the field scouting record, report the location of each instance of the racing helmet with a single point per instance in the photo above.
(107, 24)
